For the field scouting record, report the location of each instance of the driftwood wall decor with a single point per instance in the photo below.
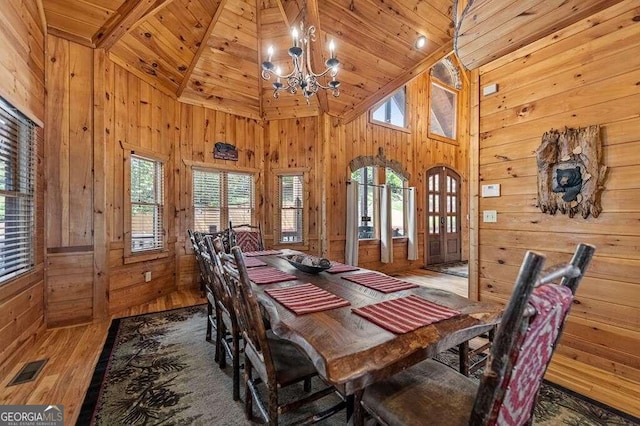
(570, 172)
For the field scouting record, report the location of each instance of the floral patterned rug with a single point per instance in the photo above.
(158, 369)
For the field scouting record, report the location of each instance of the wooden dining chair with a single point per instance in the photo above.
(433, 393)
(247, 237)
(277, 362)
(196, 238)
(229, 331)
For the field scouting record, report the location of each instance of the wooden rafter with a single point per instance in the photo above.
(202, 47)
(398, 82)
(128, 15)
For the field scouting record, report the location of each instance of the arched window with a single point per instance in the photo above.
(371, 179)
(445, 85)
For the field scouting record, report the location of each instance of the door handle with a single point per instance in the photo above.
(442, 220)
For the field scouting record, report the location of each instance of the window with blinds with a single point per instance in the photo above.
(219, 197)
(291, 208)
(147, 204)
(367, 202)
(398, 202)
(18, 140)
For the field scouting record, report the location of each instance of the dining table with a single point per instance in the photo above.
(350, 351)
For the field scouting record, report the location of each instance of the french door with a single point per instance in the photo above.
(443, 216)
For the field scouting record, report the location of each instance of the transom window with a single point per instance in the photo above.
(18, 139)
(393, 110)
(147, 204)
(291, 207)
(445, 84)
(221, 196)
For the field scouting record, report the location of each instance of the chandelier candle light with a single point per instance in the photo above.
(302, 76)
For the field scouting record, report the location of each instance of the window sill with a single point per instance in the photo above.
(390, 126)
(145, 256)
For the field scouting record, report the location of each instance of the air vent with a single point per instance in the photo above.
(29, 372)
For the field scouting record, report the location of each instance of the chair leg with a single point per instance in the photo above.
(248, 397)
(223, 353)
(236, 366)
(307, 385)
(463, 353)
(273, 404)
(209, 313)
(219, 327)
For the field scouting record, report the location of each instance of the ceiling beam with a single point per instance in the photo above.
(127, 17)
(398, 82)
(203, 45)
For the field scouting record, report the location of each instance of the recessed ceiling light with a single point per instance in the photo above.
(421, 42)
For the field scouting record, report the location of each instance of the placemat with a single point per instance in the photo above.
(261, 253)
(268, 275)
(380, 282)
(337, 268)
(306, 298)
(405, 313)
(252, 262)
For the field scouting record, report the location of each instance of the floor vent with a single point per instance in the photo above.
(29, 372)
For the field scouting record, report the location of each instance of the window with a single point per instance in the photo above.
(219, 197)
(393, 110)
(147, 204)
(445, 83)
(398, 202)
(18, 139)
(367, 202)
(291, 208)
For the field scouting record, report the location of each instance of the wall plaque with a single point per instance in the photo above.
(225, 151)
(570, 172)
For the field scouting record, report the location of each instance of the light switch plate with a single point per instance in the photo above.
(489, 89)
(147, 276)
(490, 216)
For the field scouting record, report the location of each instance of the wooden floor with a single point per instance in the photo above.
(73, 353)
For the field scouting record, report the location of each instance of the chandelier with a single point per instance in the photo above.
(302, 76)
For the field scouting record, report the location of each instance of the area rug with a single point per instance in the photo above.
(159, 369)
(459, 269)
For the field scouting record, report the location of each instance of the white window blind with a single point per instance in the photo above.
(18, 140)
(291, 206)
(219, 197)
(147, 204)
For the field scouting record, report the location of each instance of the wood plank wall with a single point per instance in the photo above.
(69, 192)
(137, 115)
(415, 150)
(583, 75)
(22, 84)
(200, 128)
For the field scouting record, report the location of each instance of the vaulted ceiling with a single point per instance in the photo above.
(207, 52)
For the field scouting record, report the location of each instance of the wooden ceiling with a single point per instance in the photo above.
(207, 52)
(490, 29)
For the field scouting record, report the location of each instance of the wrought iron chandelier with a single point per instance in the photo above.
(302, 75)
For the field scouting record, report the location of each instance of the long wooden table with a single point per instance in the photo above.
(350, 352)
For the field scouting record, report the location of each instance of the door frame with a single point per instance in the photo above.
(461, 210)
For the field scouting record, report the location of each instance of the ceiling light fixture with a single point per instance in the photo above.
(302, 76)
(421, 42)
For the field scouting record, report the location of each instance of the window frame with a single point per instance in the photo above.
(131, 256)
(277, 233)
(24, 146)
(224, 206)
(437, 82)
(406, 128)
(405, 201)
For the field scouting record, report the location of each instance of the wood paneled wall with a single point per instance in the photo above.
(69, 191)
(200, 128)
(413, 149)
(22, 84)
(585, 74)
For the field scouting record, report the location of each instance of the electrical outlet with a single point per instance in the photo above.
(147, 276)
(490, 216)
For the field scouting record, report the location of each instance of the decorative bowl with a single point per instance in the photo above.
(306, 263)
